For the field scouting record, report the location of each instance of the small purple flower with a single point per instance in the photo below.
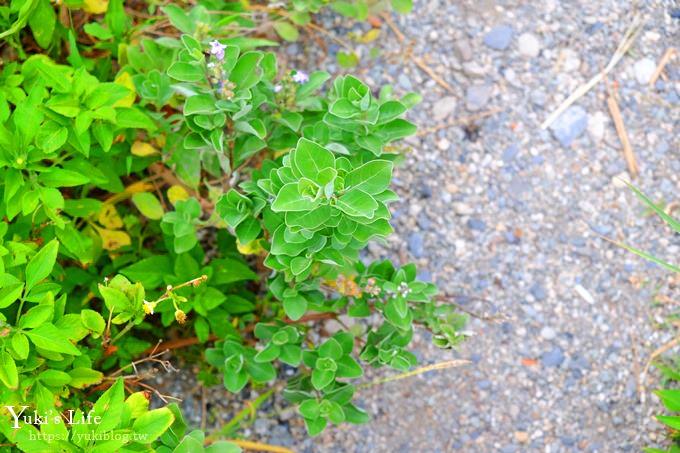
(300, 77)
(277, 88)
(217, 50)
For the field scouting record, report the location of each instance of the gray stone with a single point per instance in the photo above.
(548, 333)
(538, 292)
(528, 45)
(570, 125)
(552, 358)
(499, 37)
(477, 96)
(476, 224)
(415, 245)
(510, 153)
(463, 50)
(443, 108)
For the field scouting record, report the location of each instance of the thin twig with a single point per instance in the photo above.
(660, 350)
(624, 45)
(667, 56)
(448, 298)
(424, 369)
(417, 60)
(258, 446)
(621, 131)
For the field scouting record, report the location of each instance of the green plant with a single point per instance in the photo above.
(670, 397)
(185, 186)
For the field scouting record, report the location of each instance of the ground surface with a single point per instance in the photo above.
(514, 216)
(509, 218)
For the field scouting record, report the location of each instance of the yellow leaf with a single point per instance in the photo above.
(370, 36)
(96, 6)
(125, 79)
(251, 248)
(177, 193)
(142, 149)
(109, 218)
(160, 140)
(113, 239)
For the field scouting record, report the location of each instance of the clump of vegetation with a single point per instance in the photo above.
(163, 178)
(670, 395)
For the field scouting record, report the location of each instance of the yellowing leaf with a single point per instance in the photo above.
(177, 193)
(125, 79)
(142, 149)
(370, 36)
(148, 205)
(113, 239)
(160, 140)
(96, 6)
(251, 248)
(109, 218)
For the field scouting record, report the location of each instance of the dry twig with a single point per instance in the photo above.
(623, 135)
(667, 56)
(423, 369)
(660, 350)
(417, 60)
(624, 45)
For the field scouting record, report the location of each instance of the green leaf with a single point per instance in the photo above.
(315, 426)
(356, 202)
(41, 264)
(372, 177)
(670, 420)
(200, 104)
(20, 345)
(48, 337)
(247, 71)
(51, 137)
(402, 6)
(115, 299)
(9, 294)
(348, 368)
(8, 371)
(152, 424)
(286, 30)
(290, 199)
(295, 306)
(673, 223)
(309, 409)
(149, 271)
(148, 205)
(179, 18)
(261, 372)
(311, 159)
(186, 72)
(331, 348)
(300, 264)
(93, 321)
(54, 378)
(322, 378)
(36, 316)
(670, 399)
(42, 23)
(648, 257)
(248, 230)
(58, 177)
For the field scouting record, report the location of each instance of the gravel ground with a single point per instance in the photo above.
(509, 218)
(513, 214)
